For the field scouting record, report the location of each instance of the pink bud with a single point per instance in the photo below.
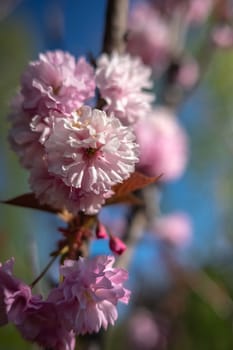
(101, 232)
(117, 245)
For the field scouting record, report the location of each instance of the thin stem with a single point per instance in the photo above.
(44, 271)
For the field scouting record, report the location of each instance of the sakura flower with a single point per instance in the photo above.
(91, 152)
(174, 228)
(42, 324)
(22, 140)
(163, 145)
(90, 291)
(51, 190)
(56, 82)
(54, 85)
(121, 80)
(36, 319)
(14, 295)
(149, 36)
(9, 283)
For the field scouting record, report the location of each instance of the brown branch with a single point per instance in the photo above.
(115, 26)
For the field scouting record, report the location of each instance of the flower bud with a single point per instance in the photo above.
(117, 245)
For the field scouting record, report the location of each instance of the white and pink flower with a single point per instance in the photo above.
(121, 80)
(91, 290)
(56, 82)
(84, 156)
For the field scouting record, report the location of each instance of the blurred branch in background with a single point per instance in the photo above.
(7, 7)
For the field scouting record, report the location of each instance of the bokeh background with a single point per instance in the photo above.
(196, 311)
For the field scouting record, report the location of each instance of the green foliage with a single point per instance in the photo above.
(15, 47)
(202, 329)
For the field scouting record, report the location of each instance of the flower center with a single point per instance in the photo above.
(56, 90)
(90, 152)
(88, 296)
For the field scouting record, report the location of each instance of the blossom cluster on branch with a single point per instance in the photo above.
(83, 303)
(80, 152)
(81, 131)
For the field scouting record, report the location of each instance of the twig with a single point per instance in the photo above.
(115, 26)
(44, 271)
(60, 252)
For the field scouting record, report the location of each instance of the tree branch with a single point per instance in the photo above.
(115, 26)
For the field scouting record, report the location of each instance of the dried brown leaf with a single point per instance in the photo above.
(28, 200)
(136, 181)
(129, 198)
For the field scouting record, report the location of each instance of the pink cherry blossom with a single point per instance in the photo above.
(22, 139)
(149, 36)
(42, 324)
(56, 82)
(91, 151)
(163, 145)
(51, 190)
(90, 291)
(37, 320)
(174, 228)
(9, 283)
(51, 87)
(121, 80)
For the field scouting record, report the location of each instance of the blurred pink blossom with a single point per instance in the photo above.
(89, 293)
(188, 73)
(37, 320)
(222, 36)
(198, 11)
(174, 228)
(163, 145)
(7, 283)
(22, 140)
(56, 82)
(121, 80)
(143, 332)
(149, 36)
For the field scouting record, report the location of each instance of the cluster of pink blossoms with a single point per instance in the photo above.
(83, 303)
(122, 84)
(74, 153)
